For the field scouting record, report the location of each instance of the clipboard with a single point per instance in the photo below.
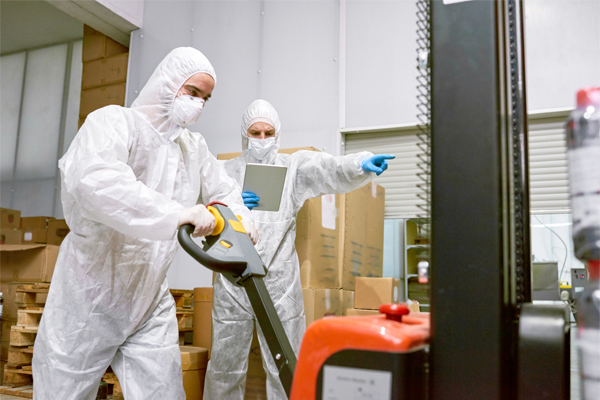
(266, 181)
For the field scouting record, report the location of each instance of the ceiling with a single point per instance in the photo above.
(28, 24)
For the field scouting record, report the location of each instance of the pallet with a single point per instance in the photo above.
(15, 376)
(25, 392)
(182, 334)
(31, 294)
(185, 319)
(29, 317)
(21, 336)
(184, 299)
(20, 356)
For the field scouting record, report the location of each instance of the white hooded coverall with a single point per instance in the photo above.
(309, 174)
(126, 178)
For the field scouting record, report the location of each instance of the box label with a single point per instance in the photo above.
(328, 211)
(342, 383)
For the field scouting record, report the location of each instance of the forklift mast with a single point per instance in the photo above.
(484, 339)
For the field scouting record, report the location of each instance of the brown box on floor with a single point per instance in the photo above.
(97, 45)
(105, 71)
(10, 219)
(193, 364)
(353, 236)
(203, 318)
(57, 231)
(256, 379)
(353, 312)
(93, 99)
(320, 303)
(290, 150)
(27, 262)
(370, 293)
(11, 236)
(375, 222)
(317, 242)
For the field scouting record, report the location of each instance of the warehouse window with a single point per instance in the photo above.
(547, 164)
(40, 106)
(401, 179)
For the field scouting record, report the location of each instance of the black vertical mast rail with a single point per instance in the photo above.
(479, 197)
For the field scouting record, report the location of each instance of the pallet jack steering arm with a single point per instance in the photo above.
(229, 251)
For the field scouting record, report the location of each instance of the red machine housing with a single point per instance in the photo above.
(390, 333)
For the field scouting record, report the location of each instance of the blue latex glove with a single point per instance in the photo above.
(250, 199)
(378, 163)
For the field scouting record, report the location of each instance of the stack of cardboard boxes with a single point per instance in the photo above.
(340, 238)
(28, 253)
(104, 72)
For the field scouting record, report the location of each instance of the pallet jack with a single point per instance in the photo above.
(380, 357)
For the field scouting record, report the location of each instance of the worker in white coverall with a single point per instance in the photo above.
(130, 178)
(309, 174)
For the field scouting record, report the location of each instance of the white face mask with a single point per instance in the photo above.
(186, 109)
(260, 148)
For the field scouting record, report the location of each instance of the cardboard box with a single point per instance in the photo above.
(10, 219)
(57, 231)
(93, 99)
(35, 223)
(290, 150)
(320, 303)
(317, 241)
(11, 236)
(375, 223)
(97, 45)
(27, 262)
(352, 312)
(347, 300)
(35, 235)
(353, 236)
(256, 379)
(203, 318)
(106, 71)
(193, 364)
(370, 293)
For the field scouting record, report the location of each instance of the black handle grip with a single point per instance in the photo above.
(210, 262)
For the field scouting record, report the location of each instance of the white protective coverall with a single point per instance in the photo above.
(310, 174)
(126, 178)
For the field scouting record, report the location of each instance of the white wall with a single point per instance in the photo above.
(562, 50)
(321, 77)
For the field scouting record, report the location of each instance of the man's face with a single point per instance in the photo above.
(261, 130)
(200, 85)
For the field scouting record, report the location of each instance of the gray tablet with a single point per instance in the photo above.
(265, 181)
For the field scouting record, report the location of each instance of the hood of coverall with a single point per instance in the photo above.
(156, 98)
(260, 111)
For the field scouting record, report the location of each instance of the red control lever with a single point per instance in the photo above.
(394, 311)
